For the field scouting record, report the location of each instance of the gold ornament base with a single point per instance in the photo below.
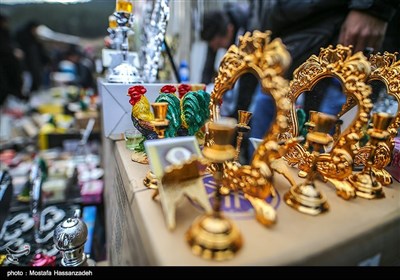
(302, 174)
(150, 181)
(219, 155)
(306, 199)
(214, 238)
(365, 187)
(140, 157)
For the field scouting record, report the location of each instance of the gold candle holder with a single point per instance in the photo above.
(306, 198)
(364, 182)
(160, 122)
(242, 128)
(310, 124)
(213, 236)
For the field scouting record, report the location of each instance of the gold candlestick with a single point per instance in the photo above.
(310, 124)
(242, 128)
(160, 122)
(213, 236)
(364, 182)
(306, 198)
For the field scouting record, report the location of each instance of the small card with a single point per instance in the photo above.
(170, 151)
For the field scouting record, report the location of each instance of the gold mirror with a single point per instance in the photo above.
(267, 60)
(326, 96)
(352, 71)
(385, 69)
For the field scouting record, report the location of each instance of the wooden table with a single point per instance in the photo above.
(356, 232)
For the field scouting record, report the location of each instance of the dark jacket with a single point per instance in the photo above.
(10, 70)
(239, 17)
(35, 56)
(307, 25)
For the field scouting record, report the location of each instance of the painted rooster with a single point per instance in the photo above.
(195, 112)
(186, 114)
(141, 114)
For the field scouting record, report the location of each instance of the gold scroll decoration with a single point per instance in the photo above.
(267, 60)
(385, 68)
(352, 71)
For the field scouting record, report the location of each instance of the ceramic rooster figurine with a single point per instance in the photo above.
(186, 114)
(141, 115)
(195, 112)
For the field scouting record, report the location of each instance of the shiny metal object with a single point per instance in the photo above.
(365, 183)
(352, 70)
(160, 122)
(221, 150)
(70, 237)
(151, 182)
(36, 178)
(153, 39)
(213, 236)
(306, 198)
(385, 68)
(310, 124)
(242, 128)
(125, 72)
(267, 59)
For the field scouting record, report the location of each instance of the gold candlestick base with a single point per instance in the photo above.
(365, 183)
(160, 122)
(214, 237)
(306, 199)
(365, 187)
(151, 182)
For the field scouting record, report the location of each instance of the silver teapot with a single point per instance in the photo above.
(70, 238)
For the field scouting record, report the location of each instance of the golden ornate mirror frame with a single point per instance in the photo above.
(352, 71)
(385, 68)
(267, 60)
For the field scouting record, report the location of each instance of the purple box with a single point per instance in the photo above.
(394, 167)
(92, 192)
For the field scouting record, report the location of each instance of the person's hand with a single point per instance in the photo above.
(362, 30)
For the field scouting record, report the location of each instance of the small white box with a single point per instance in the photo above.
(116, 109)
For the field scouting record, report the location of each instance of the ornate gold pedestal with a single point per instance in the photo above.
(242, 128)
(214, 236)
(365, 182)
(366, 187)
(306, 198)
(160, 124)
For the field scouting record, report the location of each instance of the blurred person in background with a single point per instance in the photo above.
(306, 26)
(35, 56)
(80, 66)
(221, 29)
(10, 70)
